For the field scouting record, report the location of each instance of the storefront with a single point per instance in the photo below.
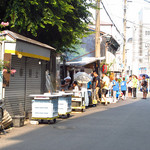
(88, 64)
(31, 60)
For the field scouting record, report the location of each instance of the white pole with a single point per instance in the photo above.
(1, 72)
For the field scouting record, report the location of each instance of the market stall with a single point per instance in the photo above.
(45, 106)
(83, 78)
(78, 102)
(64, 104)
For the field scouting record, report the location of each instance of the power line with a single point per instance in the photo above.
(132, 22)
(135, 1)
(111, 20)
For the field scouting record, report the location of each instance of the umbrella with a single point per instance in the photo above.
(146, 76)
(82, 77)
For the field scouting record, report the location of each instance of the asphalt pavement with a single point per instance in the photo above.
(121, 126)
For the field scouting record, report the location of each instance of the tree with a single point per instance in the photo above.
(59, 23)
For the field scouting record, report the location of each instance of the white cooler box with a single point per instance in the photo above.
(64, 105)
(45, 108)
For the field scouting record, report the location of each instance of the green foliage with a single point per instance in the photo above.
(3, 64)
(59, 23)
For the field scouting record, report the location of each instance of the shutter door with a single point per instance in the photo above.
(33, 80)
(14, 94)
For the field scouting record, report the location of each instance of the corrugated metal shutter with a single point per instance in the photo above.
(33, 80)
(27, 80)
(14, 94)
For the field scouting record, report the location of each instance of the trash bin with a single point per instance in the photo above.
(18, 121)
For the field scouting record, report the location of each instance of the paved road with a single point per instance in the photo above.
(121, 126)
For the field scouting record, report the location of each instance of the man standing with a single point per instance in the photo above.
(105, 88)
(115, 88)
(97, 85)
(144, 87)
(129, 84)
(124, 88)
(134, 85)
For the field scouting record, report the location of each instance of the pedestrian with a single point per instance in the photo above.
(134, 85)
(129, 85)
(144, 87)
(89, 87)
(115, 89)
(105, 88)
(97, 85)
(123, 88)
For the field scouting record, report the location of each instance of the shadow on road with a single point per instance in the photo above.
(87, 130)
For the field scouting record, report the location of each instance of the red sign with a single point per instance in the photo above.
(104, 69)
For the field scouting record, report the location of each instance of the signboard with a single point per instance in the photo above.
(104, 69)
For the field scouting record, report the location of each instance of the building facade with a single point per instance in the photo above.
(31, 60)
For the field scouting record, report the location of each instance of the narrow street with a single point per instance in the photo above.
(121, 126)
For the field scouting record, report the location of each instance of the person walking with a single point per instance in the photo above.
(129, 85)
(134, 85)
(97, 85)
(105, 88)
(124, 88)
(115, 89)
(144, 87)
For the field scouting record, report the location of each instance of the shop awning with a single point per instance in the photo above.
(17, 44)
(85, 61)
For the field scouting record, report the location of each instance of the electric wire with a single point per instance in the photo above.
(111, 20)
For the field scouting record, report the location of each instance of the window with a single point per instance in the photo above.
(147, 32)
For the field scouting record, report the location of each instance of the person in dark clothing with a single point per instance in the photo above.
(97, 85)
(144, 87)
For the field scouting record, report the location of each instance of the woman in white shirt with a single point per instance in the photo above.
(75, 88)
(129, 84)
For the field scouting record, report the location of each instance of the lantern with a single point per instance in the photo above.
(104, 69)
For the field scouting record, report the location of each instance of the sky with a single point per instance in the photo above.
(115, 9)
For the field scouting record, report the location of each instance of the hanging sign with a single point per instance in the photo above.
(104, 69)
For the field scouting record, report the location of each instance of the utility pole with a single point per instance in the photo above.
(97, 37)
(97, 30)
(124, 43)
